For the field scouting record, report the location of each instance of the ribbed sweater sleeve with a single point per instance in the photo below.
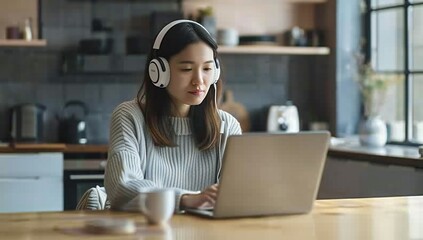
(135, 164)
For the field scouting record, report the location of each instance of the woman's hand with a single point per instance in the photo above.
(205, 199)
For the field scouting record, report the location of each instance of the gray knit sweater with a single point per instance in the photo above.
(135, 163)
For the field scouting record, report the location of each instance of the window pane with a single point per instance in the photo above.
(417, 38)
(416, 1)
(418, 108)
(385, 3)
(388, 39)
(392, 111)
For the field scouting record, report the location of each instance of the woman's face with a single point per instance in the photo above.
(191, 74)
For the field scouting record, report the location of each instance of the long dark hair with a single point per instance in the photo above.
(156, 104)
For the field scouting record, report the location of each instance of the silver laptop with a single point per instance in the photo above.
(269, 174)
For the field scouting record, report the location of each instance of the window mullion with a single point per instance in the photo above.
(408, 108)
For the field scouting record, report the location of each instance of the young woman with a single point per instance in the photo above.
(172, 135)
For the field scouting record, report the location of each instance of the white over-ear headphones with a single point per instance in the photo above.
(159, 70)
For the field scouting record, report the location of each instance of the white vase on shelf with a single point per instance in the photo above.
(372, 132)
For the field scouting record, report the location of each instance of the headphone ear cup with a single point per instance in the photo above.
(159, 72)
(216, 71)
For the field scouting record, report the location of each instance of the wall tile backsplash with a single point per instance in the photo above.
(34, 75)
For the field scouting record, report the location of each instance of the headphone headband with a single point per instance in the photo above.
(159, 69)
(166, 28)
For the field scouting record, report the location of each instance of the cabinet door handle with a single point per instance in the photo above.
(86, 176)
(19, 179)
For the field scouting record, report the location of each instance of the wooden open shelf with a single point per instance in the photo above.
(249, 49)
(285, 1)
(22, 43)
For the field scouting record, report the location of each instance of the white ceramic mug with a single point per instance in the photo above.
(157, 205)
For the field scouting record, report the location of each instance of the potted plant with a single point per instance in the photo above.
(373, 88)
(207, 19)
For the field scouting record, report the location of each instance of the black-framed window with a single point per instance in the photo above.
(394, 31)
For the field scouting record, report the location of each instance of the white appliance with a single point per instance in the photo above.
(283, 118)
(31, 182)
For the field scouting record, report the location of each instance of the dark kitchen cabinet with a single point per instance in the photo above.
(350, 178)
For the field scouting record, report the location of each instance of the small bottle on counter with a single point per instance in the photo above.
(28, 35)
(421, 151)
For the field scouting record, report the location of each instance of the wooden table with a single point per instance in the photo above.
(371, 218)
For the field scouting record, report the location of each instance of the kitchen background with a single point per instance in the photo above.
(321, 86)
(36, 75)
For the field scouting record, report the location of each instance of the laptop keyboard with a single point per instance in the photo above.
(208, 209)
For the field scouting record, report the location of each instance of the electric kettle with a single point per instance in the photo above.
(27, 122)
(73, 128)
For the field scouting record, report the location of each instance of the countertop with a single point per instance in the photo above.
(360, 218)
(340, 148)
(388, 154)
(54, 147)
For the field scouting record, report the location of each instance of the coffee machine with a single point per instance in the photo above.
(283, 118)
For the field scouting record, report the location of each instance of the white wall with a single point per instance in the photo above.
(256, 17)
